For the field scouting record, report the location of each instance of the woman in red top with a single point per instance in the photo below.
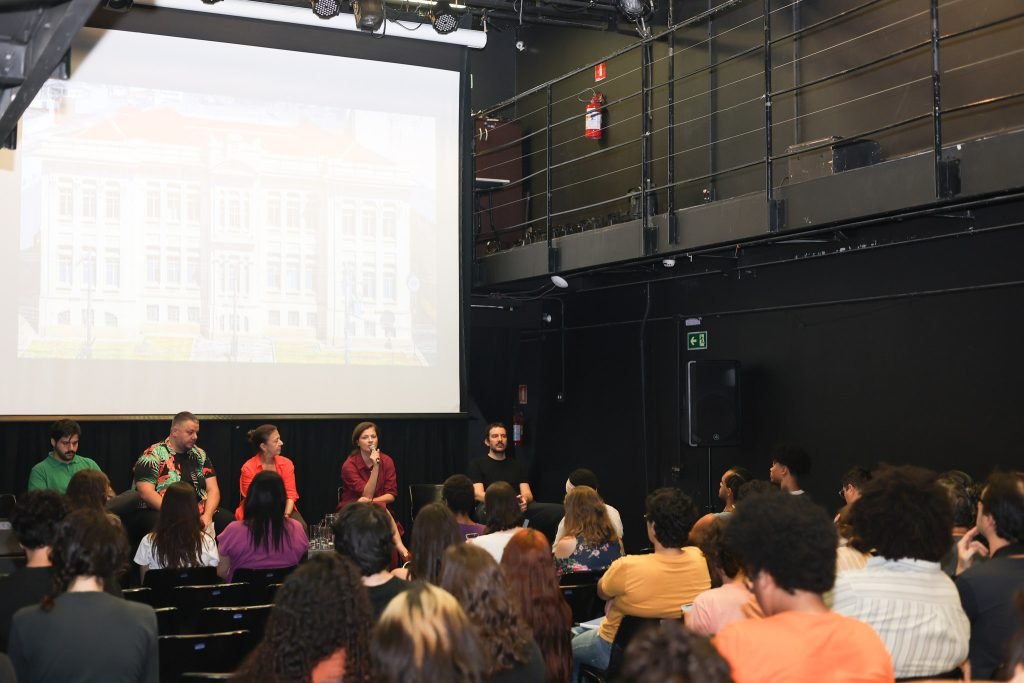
(368, 476)
(266, 440)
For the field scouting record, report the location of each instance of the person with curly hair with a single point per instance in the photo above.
(318, 630)
(266, 441)
(902, 592)
(471, 575)
(730, 601)
(654, 585)
(786, 546)
(532, 576)
(589, 542)
(79, 632)
(362, 533)
(179, 539)
(433, 530)
(504, 516)
(670, 654)
(265, 539)
(424, 637)
(987, 589)
(34, 520)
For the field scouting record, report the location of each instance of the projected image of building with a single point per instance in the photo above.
(278, 240)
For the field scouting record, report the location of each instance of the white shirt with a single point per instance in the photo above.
(915, 609)
(208, 555)
(613, 516)
(494, 543)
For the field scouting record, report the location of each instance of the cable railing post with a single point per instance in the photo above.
(670, 175)
(552, 250)
(774, 207)
(710, 191)
(650, 233)
(947, 171)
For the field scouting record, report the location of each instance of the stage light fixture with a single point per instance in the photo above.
(210, 2)
(118, 5)
(637, 11)
(325, 9)
(369, 14)
(559, 281)
(442, 18)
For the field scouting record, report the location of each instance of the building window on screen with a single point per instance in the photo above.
(64, 266)
(293, 318)
(153, 203)
(369, 328)
(89, 199)
(174, 204)
(153, 269)
(153, 313)
(348, 221)
(173, 314)
(193, 314)
(112, 202)
(64, 318)
(274, 318)
(66, 200)
(113, 270)
(311, 320)
(369, 224)
(110, 320)
(387, 225)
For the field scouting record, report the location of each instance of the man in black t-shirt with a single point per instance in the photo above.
(497, 466)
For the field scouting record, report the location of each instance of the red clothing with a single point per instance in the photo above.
(253, 466)
(355, 474)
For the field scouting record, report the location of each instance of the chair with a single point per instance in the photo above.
(192, 676)
(217, 619)
(144, 595)
(163, 581)
(583, 601)
(269, 593)
(210, 652)
(628, 627)
(423, 494)
(577, 578)
(7, 503)
(167, 621)
(191, 599)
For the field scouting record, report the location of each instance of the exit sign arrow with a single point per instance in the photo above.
(697, 341)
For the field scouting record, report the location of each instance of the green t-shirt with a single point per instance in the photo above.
(54, 474)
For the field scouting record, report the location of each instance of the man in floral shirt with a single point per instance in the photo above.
(177, 458)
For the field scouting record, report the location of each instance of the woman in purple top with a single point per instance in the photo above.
(265, 539)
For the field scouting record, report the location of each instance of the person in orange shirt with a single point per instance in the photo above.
(787, 547)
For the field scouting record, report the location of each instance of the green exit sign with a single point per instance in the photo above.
(697, 341)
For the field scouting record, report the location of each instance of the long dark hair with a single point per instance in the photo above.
(88, 489)
(433, 530)
(477, 582)
(531, 574)
(264, 510)
(87, 544)
(321, 608)
(178, 536)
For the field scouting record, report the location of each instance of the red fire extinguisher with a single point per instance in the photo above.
(593, 116)
(517, 428)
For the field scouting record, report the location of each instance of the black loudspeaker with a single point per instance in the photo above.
(713, 402)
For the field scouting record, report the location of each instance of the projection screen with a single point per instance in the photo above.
(231, 230)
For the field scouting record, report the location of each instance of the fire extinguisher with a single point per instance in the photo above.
(593, 116)
(517, 428)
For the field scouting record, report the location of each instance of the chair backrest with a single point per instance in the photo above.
(423, 494)
(210, 652)
(263, 577)
(577, 578)
(583, 601)
(193, 677)
(218, 619)
(628, 628)
(146, 596)
(191, 599)
(269, 593)
(163, 580)
(167, 621)
(7, 503)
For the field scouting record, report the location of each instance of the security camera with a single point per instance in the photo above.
(668, 262)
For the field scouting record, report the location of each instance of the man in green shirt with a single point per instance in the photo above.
(63, 461)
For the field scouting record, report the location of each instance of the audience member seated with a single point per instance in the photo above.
(786, 545)
(755, 487)
(91, 489)
(362, 533)
(476, 581)
(318, 630)
(789, 465)
(963, 497)
(267, 443)
(584, 477)
(424, 637)
(656, 585)
(902, 592)
(589, 542)
(179, 540)
(457, 494)
(265, 539)
(433, 530)
(671, 654)
(731, 601)
(852, 483)
(852, 553)
(728, 492)
(987, 589)
(78, 632)
(503, 518)
(34, 520)
(1013, 665)
(54, 472)
(532, 578)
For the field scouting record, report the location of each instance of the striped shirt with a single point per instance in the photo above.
(915, 609)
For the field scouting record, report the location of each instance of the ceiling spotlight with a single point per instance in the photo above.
(326, 9)
(443, 19)
(559, 281)
(637, 11)
(369, 14)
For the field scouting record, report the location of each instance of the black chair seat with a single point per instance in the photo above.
(211, 652)
(628, 627)
(218, 619)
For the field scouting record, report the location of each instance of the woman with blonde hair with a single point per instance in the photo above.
(589, 542)
(424, 637)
